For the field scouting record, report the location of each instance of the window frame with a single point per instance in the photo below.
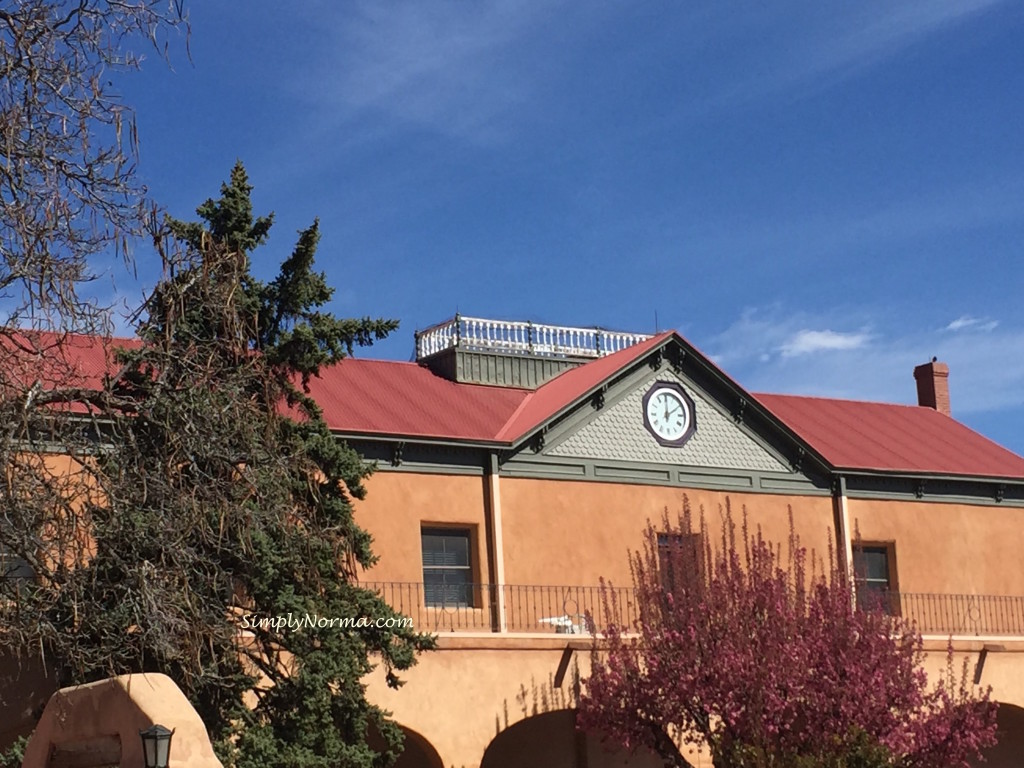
(691, 545)
(891, 605)
(470, 569)
(13, 566)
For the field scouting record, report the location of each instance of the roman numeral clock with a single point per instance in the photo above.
(669, 414)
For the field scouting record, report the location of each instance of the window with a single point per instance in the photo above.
(681, 560)
(447, 569)
(874, 569)
(12, 566)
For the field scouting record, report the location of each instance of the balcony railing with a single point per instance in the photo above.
(561, 610)
(522, 338)
(938, 614)
(476, 607)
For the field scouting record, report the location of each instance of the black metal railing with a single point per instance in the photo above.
(945, 614)
(478, 607)
(562, 609)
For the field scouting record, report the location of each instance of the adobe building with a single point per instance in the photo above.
(519, 465)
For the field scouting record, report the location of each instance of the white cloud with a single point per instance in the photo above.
(986, 369)
(966, 322)
(452, 67)
(805, 342)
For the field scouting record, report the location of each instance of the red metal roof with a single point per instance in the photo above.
(405, 399)
(567, 388)
(886, 437)
(384, 398)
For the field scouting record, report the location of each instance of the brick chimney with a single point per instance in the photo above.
(933, 385)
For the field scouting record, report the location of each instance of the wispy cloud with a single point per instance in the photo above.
(446, 66)
(968, 323)
(986, 369)
(805, 342)
(830, 45)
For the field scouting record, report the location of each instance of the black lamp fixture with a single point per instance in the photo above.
(156, 746)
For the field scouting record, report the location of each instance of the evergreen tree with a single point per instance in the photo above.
(223, 498)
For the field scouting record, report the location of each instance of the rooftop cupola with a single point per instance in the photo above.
(510, 353)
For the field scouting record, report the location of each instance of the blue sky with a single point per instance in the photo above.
(820, 195)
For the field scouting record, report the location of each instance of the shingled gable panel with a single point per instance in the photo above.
(618, 433)
(565, 389)
(886, 437)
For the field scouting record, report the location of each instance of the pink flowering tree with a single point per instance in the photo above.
(767, 661)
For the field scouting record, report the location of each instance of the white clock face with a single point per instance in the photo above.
(668, 414)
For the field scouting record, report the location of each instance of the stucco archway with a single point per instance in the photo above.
(551, 739)
(1009, 751)
(417, 753)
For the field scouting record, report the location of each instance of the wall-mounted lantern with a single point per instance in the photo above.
(156, 746)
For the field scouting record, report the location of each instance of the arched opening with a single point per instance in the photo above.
(1009, 751)
(418, 752)
(551, 738)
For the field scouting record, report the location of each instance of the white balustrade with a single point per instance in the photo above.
(521, 337)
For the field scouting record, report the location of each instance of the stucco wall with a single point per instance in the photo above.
(464, 700)
(566, 532)
(113, 711)
(399, 503)
(947, 548)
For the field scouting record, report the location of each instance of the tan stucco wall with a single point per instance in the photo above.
(461, 699)
(558, 532)
(947, 548)
(575, 533)
(397, 504)
(120, 707)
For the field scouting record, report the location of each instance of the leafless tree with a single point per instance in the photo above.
(68, 147)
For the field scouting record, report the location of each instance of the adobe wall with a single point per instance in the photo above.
(559, 532)
(105, 717)
(397, 504)
(464, 699)
(569, 532)
(461, 700)
(947, 548)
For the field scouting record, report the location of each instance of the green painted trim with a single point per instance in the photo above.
(932, 490)
(424, 468)
(558, 470)
(429, 458)
(634, 473)
(399, 456)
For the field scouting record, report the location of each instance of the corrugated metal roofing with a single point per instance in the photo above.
(886, 437)
(405, 399)
(376, 397)
(389, 398)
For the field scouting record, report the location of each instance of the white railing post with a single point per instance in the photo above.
(522, 337)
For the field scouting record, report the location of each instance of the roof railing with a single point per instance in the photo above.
(522, 338)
